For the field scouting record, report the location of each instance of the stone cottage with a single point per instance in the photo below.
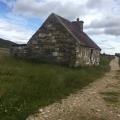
(61, 41)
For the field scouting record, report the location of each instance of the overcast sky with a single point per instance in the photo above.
(19, 19)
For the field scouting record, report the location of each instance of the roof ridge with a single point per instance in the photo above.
(76, 33)
(81, 37)
(62, 18)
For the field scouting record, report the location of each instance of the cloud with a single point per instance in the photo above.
(9, 3)
(101, 18)
(108, 43)
(69, 8)
(113, 31)
(94, 13)
(93, 31)
(108, 21)
(101, 5)
(14, 32)
(93, 4)
(108, 25)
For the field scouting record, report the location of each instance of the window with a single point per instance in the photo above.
(91, 52)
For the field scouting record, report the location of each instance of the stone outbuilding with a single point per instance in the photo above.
(64, 42)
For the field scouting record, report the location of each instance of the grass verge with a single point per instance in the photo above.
(26, 86)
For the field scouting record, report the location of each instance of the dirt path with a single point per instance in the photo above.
(87, 104)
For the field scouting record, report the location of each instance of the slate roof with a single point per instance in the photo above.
(79, 35)
(72, 28)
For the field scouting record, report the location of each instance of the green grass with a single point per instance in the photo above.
(26, 86)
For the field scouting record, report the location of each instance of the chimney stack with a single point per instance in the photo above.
(80, 23)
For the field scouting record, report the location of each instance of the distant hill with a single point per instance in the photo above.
(6, 43)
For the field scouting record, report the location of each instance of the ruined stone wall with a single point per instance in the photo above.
(53, 43)
(86, 56)
(20, 51)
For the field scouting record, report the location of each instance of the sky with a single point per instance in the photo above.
(19, 19)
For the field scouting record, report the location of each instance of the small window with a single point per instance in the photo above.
(91, 52)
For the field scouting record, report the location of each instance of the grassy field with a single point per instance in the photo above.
(26, 86)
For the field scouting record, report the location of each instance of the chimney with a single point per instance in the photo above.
(80, 23)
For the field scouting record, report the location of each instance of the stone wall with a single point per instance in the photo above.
(21, 51)
(53, 43)
(86, 56)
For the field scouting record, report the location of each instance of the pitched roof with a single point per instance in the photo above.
(73, 28)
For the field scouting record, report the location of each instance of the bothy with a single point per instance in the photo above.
(63, 42)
